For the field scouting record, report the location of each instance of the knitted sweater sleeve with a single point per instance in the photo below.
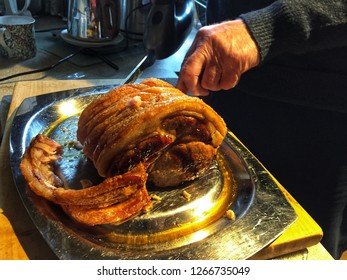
(298, 26)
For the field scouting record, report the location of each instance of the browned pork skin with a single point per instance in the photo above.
(175, 135)
(115, 214)
(113, 194)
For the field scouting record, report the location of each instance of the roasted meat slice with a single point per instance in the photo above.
(117, 213)
(113, 194)
(174, 135)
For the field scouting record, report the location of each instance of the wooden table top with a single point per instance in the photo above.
(19, 238)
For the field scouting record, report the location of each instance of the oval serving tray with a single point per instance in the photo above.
(176, 227)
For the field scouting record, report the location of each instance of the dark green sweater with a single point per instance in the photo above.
(303, 48)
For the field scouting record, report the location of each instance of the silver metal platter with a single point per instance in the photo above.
(176, 227)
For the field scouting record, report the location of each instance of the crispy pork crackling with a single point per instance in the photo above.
(134, 134)
(174, 135)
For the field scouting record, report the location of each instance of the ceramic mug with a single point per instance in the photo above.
(11, 7)
(17, 37)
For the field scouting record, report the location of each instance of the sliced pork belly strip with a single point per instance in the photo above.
(137, 203)
(37, 167)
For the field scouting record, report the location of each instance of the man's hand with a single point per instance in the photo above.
(219, 54)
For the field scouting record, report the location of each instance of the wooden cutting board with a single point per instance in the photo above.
(303, 233)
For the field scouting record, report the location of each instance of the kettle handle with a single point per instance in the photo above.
(110, 10)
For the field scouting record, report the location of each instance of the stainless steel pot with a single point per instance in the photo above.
(93, 20)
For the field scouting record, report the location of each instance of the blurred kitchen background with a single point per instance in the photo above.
(114, 59)
(61, 58)
(51, 7)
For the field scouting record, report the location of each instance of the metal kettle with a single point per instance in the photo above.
(93, 20)
(168, 24)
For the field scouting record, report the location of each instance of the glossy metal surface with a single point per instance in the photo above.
(93, 21)
(176, 227)
(167, 26)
